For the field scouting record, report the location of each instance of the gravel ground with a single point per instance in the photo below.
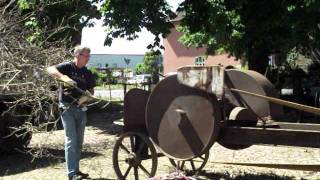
(102, 132)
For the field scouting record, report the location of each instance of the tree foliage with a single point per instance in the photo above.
(253, 29)
(139, 68)
(149, 64)
(53, 21)
(250, 30)
(127, 18)
(99, 77)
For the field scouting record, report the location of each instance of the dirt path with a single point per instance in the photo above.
(101, 133)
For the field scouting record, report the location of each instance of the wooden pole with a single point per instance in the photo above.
(109, 91)
(298, 106)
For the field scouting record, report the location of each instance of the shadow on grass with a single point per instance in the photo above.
(15, 163)
(204, 175)
(110, 122)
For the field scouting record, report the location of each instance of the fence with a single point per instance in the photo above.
(116, 92)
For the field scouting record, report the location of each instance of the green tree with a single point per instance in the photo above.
(251, 30)
(56, 21)
(139, 68)
(149, 65)
(98, 76)
(127, 18)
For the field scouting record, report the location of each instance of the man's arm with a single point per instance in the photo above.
(53, 71)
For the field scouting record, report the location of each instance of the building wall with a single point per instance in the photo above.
(177, 55)
(114, 60)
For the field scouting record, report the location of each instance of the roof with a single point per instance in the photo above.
(115, 60)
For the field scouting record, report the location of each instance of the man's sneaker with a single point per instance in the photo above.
(75, 177)
(83, 175)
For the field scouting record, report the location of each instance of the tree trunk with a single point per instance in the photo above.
(258, 60)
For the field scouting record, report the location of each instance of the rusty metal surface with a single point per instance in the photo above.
(243, 114)
(219, 81)
(256, 83)
(182, 121)
(247, 118)
(208, 78)
(134, 110)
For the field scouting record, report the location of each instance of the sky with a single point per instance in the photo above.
(94, 38)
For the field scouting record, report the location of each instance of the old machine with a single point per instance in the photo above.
(186, 113)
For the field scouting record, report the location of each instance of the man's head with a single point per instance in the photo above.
(81, 56)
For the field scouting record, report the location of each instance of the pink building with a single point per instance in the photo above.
(177, 55)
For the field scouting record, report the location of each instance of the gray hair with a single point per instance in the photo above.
(80, 49)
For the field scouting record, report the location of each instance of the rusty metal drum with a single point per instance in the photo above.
(246, 117)
(182, 121)
(135, 102)
(253, 82)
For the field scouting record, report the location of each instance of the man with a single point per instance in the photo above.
(71, 101)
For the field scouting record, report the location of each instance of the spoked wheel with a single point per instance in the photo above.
(195, 164)
(134, 157)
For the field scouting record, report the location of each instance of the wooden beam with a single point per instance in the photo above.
(301, 107)
(299, 126)
(269, 136)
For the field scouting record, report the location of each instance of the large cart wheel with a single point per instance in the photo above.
(195, 164)
(134, 157)
(183, 117)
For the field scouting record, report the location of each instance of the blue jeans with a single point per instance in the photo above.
(74, 120)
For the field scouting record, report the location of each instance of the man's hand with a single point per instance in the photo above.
(68, 82)
(84, 98)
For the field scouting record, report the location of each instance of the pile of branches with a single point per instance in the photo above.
(23, 74)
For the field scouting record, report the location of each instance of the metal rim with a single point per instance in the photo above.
(132, 157)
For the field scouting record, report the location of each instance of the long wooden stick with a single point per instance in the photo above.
(301, 107)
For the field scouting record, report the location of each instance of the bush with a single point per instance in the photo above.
(98, 76)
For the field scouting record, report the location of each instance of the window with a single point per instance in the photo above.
(199, 61)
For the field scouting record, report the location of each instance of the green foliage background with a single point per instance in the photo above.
(54, 21)
(99, 77)
(149, 64)
(248, 30)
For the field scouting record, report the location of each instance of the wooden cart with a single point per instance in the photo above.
(185, 114)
